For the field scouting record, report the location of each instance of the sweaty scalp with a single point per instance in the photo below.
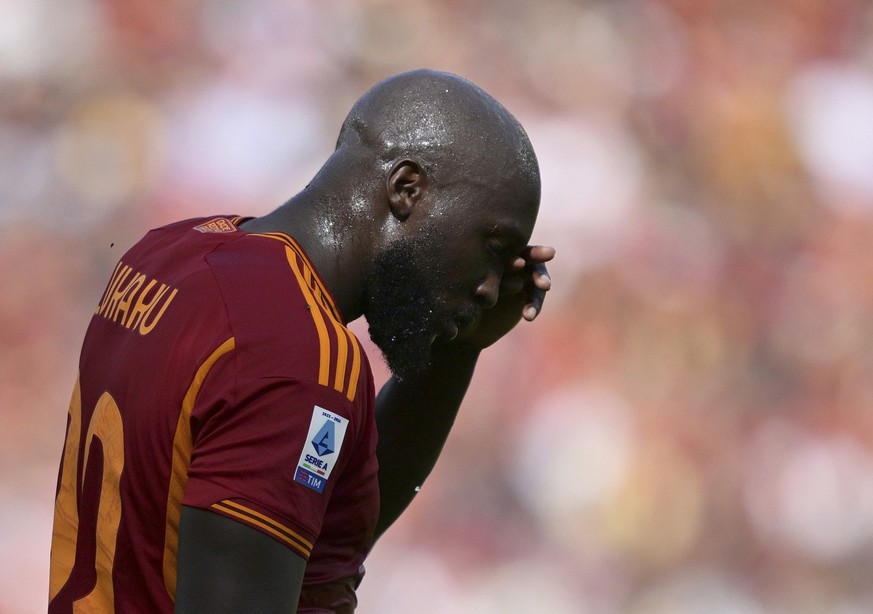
(441, 120)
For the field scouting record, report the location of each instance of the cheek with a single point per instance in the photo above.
(466, 278)
(455, 266)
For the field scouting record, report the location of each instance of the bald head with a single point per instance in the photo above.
(443, 121)
(432, 191)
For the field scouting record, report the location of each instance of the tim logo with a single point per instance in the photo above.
(309, 480)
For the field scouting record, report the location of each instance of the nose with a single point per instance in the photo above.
(488, 290)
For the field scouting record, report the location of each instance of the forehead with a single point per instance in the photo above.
(487, 200)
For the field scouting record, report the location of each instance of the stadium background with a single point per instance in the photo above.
(688, 429)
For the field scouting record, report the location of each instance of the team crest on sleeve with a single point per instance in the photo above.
(321, 450)
(219, 224)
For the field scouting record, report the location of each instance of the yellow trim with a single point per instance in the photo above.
(317, 318)
(251, 517)
(317, 287)
(355, 375)
(342, 353)
(316, 295)
(181, 461)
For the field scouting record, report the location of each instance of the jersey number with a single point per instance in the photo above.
(106, 427)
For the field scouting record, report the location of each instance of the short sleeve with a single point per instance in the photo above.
(268, 453)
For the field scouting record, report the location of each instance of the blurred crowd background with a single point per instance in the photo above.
(689, 426)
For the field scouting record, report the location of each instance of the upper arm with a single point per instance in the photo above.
(226, 566)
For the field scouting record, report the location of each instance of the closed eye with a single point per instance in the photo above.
(506, 240)
(501, 252)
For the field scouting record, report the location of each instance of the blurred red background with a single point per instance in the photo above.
(687, 428)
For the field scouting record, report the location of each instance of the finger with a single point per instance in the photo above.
(537, 253)
(532, 255)
(518, 264)
(541, 277)
(542, 283)
(533, 308)
(514, 280)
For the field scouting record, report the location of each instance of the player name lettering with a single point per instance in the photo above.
(134, 300)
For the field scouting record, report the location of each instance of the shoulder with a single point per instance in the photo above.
(284, 319)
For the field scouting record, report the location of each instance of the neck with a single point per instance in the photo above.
(326, 226)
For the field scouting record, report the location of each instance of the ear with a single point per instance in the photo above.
(405, 185)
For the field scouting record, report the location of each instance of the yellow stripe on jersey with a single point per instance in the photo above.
(315, 284)
(317, 318)
(321, 293)
(181, 461)
(291, 538)
(316, 295)
(356, 366)
(343, 339)
(346, 339)
(342, 353)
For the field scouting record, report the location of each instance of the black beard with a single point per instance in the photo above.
(401, 308)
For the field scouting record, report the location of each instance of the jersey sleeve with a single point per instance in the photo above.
(269, 454)
(276, 422)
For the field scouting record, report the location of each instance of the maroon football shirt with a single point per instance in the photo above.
(216, 373)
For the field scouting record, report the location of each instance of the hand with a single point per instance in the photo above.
(522, 292)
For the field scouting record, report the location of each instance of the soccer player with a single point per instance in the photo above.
(226, 450)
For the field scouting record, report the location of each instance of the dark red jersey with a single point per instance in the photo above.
(216, 373)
